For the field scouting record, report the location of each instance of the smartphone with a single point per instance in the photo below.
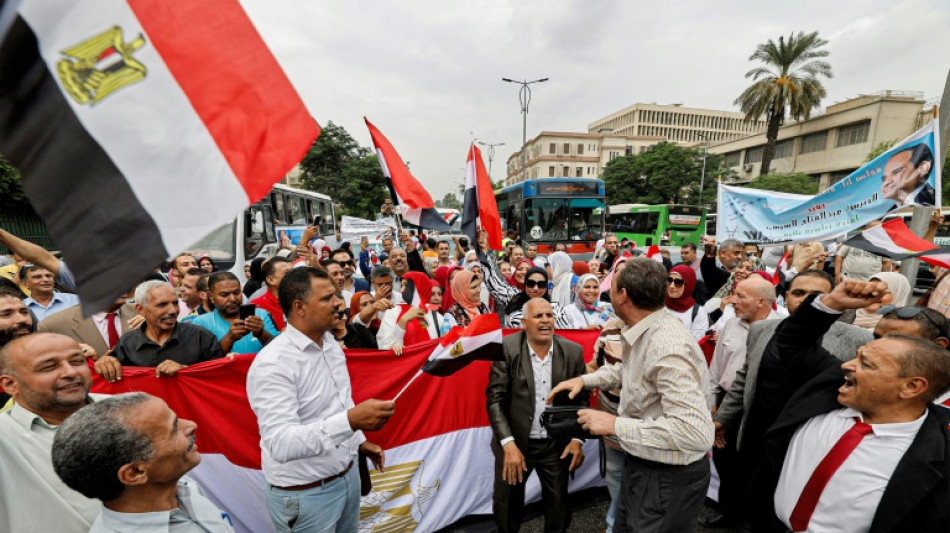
(247, 310)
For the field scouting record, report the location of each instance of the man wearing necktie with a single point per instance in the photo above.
(860, 447)
(101, 331)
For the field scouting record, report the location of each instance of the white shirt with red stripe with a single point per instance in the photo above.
(851, 497)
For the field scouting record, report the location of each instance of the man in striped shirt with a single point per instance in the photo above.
(663, 423)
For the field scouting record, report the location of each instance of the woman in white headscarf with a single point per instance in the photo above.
(867, 318)
(587, 311)
(562, 272)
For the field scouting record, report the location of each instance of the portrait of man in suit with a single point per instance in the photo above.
(518, 387)
(905, 177)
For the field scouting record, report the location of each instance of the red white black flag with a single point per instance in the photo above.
(480, 341)
(140, 126)
(480, 208)
(408, 194)
(894, 240)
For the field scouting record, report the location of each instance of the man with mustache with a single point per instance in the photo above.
(161, 341)
(15, 321)
(131, 451)
(49, 380)
(236, 334)
(860, 446)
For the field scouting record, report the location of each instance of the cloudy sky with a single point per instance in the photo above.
(428, 73)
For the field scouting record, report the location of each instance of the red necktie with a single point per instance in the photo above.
(113, 333)
(808, 500)
(946, 402)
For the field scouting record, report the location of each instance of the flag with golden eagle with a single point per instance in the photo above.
(480, 341)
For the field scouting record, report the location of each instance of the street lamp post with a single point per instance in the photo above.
(702, 179)
(524, 96)
(491, 153)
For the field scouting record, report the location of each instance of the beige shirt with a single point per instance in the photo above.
(663, 416)
(32, 497)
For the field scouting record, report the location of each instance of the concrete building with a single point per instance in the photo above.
(681, 125)
(831, 145)
(573, 155)
(294, 178)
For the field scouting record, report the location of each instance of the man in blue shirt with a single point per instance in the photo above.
(44, 300)
(235, 335)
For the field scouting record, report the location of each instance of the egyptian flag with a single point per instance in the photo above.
(480, 209)
(653, 252)
(413, 200)
(480, 341)
(140, 126)
(894, 240)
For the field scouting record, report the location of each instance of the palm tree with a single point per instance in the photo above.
(787, 79)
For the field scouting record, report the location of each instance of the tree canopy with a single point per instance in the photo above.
(786, 78)
(666, 173)
(791, 183)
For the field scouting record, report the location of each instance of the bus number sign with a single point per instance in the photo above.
(684, 220)
(553, 189)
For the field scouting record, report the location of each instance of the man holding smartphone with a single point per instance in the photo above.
(237, 334)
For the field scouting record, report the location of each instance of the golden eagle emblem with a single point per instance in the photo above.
(457, 349)
(100, 66)
(397, 500)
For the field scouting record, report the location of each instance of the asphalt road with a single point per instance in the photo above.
(590, 509)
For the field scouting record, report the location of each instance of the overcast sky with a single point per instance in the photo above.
(428, 73)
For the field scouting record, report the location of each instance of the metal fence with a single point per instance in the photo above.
(28, 227)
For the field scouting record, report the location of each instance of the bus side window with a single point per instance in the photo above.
(268, 217)
(254, 238)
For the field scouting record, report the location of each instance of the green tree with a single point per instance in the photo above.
(879, 149)
(791, 183)
(787, 78)
(363, 189)
(666, 173)
(12, 197)
(450, 201)
(322, 167)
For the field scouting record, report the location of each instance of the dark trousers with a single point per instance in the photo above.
(732, 478)
(657, 497)
(543, 456)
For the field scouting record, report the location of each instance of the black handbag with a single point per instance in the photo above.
(560, 421)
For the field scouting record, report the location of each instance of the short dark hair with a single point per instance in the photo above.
(342, 251)
(194, 271)
(296, 286)
(645, 282)
(463, 242)
(813, 273)
(920, 153)
(381, 271)
(218, 277)
(9, 288)
(750, 244)
(689, 245)
(930, 323)
(440, 243)
(30, 267)
(271, 265)
(202, 283)
(431, 242)
(96, 441)
(926, 359)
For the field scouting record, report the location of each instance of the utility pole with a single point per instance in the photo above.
(491, 153)
(524, 96)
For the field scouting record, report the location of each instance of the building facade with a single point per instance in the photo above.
(830, 146)
(572, 155)
(681, 125)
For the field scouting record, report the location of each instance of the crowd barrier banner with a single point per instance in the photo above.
(439, 467)
(906, 175)
(351, 227)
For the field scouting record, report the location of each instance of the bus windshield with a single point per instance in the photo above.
(218, 245)
(562, 219)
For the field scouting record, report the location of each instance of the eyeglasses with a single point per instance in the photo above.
(341, 315)
(911, 311)
(750, 254)
(531, 283)
(675, 281)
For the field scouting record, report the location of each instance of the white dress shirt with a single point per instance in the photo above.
(850, 499)
(542, 388)
(390, 333)
(195, 513)
(730, 354)
(300, 393)
(103, 325)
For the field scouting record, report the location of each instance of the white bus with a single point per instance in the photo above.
(282, 214)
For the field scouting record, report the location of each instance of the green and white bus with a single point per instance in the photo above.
(666, 225)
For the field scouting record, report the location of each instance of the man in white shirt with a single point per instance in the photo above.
(49, 380)
(299, 388)
(860, 447)
(132, 452)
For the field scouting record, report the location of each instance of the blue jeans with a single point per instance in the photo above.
(334, 507)
(615, 460)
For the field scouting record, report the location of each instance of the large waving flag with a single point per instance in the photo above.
(140, 125)
(894, 240)
(413, 200)
(480, 208)
(480, 341)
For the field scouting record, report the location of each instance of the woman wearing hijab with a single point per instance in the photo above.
(518, 273)
(587, 312)
(561, 274)
(509, 297)
(679, 300)
(358, 302)
(467, 292)
(475, 267)
(257, 277)
(443, 276)
(206, 264)
(618, 265)
(867, 318)
(409, 324)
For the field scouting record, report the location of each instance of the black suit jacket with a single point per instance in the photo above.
(918, 493)
(713, 276)
(510, 392)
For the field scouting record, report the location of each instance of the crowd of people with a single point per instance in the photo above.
(815, 390)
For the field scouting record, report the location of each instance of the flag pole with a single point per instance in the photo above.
(406, 386)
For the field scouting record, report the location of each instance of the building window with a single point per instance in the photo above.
(731, 159)
(580, 172)
(853, 134)
(580, 149)
(566, 172)
(815, 142)
(783, 148)
(552, 148)
(550, 172)
(754, 155)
